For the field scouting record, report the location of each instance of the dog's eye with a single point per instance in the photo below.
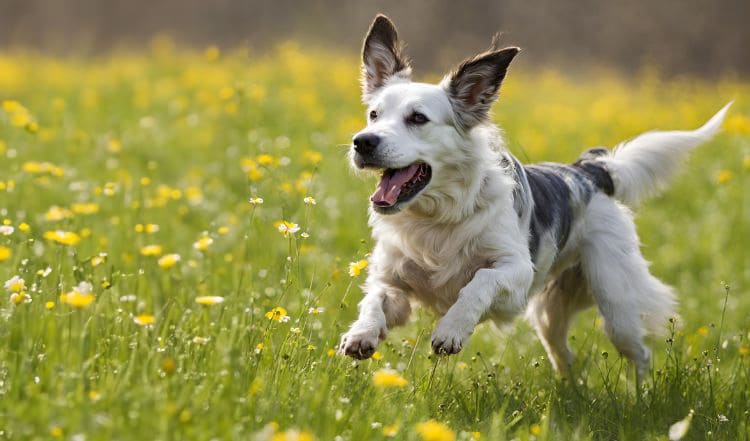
(373, 115)
(417, 118)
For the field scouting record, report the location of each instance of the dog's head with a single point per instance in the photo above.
(415, 131)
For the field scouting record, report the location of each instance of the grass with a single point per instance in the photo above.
(165, 148)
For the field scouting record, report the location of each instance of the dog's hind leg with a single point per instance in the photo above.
(629, 298)
(552, 310)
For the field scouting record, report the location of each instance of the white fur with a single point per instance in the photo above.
(461, 248)
(644, 165)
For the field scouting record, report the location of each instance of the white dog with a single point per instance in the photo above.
(462, 227)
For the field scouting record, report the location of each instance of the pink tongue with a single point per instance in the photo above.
(390, 185)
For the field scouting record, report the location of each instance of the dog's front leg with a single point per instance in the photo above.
(502, 289)
(382, 308)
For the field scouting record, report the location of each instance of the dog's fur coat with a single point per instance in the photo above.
(484, 237)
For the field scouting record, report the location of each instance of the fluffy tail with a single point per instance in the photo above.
(644, 165)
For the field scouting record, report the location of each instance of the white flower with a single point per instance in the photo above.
(83, 288)
(679, 429)
(6, 230)
(309, 200)
(256, 201)
(15, 284)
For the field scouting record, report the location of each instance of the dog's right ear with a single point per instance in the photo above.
(382, 57)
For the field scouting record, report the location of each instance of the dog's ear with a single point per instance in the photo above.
(382, 57)
(475, 84)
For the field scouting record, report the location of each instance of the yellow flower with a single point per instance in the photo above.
(63, 237)
(209, 300)
(386, 378)
(703, 331)
(309, 200)
(312, 157)
(331, 352)
(151, 250)
(265, 159)
(5, 253)
(212, 53)
(203, 243)
(94, 395)
(535, 429)
(24, 227)
(377, 356)
(55, 213)
(725, 176)
(98, 259)
(435, 431)
(19, 297)
(475, 435)
(80, 297)
(144, 319)
(49, 305)
(355, 268)
(391, 430)
(168, 260)
(744, 350)
(278, 314)
(738, 124)
(286, 228)
(56, 432)
(85, 208)
(223, 230)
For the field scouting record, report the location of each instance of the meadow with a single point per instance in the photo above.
(182, 245)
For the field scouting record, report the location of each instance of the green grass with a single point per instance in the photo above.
(195, 126)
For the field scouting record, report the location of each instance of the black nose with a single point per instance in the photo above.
(365, 143)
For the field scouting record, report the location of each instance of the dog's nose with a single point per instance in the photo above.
(365, 143)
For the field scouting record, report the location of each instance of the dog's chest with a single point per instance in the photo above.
(433, 266)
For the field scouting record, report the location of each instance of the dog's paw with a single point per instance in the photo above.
(361, 342)
(448, 339)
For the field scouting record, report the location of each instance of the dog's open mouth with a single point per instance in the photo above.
(400, 185)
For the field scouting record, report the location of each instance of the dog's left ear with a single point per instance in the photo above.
(475, 84)
(382, 57)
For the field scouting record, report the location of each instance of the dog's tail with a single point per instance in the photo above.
(643, 166)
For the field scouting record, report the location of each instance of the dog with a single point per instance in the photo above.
(460, 225)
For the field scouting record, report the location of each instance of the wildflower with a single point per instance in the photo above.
(15, 284)
(679, 429)
(223, 230)
(475, 435)
(63, 237)
(435, 431)
(203, 243)
(168, 260)
(212, 53)
(5, 253)
(259, 348)
(80, 297)
(278, 314)
(200, 340)
(256, 201)
(265, 159)
(312, 157)
(6, 230)
(144, 319)
(317, 310)
(24, 227)
(19, 297)
(94, 395)
(355, 268)
(331, 352)
(55, 213)
(85, 208)
(45, 272)
(148, 228)
(98, 259)
(386, 378)
(377, 356)
(209, 300)
(725, 176)
(56, 432)
(309, 200)
(391, 430)
(535, 429)
(151, 250)
(703, 331)
(286, 228)
(744, 350)
(49, 305)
